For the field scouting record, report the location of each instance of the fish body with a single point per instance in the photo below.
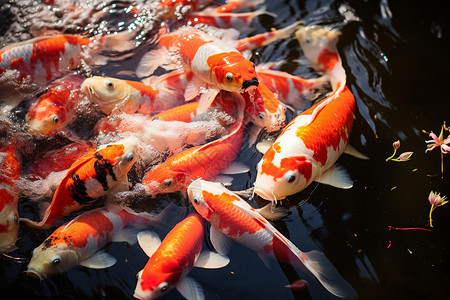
(206, 161)
(172, 260)
(58, 160)
(89, 178)
(307, 148)
(54, 110)
(222, 19)
(76, 242)
(232, 217)
(46, 58)
(114, 95)
(215, 64)
(10, 170)
(291, 89)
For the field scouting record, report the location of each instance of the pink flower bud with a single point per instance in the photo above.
(405, 156)
(396, 145)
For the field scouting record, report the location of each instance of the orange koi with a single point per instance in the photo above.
(46, 58)
(89, 178)
(10, 170)
(215, 64)
(173, 258)
(79, 242)
(232, 217)
(54, 110)
(206, 161)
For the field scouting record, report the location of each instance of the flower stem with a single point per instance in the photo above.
(390, 157)
(431, 211)
(442, 165)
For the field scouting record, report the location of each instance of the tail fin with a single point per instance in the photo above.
(318, 264)
(122, 41)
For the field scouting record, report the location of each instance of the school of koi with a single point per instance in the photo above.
(195, 101)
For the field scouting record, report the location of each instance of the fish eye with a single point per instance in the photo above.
(229, 77)
(163, 286)
(167, 182)
(262, 115)
(56, 260)
(130, 156)
(56, 119)
(290, 176)
(196, 200)
(109, 84)
(308, 41)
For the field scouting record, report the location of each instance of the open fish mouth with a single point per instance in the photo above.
(34, 274)
(251, 84)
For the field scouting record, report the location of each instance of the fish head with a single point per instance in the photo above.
(195, 193)
(265, 109)
(237, 76)
(126, 158)
(47, 119)
(9, 223)
(106, 92)
(278, 177)
(315, 40)
(48, 260)
(162, 180)
(153, 284)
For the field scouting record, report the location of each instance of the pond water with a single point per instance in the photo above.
(395, 54)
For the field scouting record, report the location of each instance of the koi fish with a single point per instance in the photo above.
(114, 95)
(89, 178)
(54, 110)
(311, 143)
(79, 242)
(58, 160)
(173, 258)
(206, 161)
(291, 89)
(232, 217)
(235, 5)
(10, 170)
(46, 58)
(215, 64)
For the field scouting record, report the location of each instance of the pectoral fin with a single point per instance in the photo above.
(190, 289)
(220, 241)
(149, 242)
(236, 168)
(336, 176)
(99, 260)
(211, 260)
(353, 152)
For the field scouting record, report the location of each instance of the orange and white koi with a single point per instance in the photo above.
(173, 258)
(232, 217)
(114, 95)
(311, 143)
(291, 89)
(235, 5)
(46, 58)
(79, 242)
(89, 178)
(215, 64)
(206, 161)
(10, 169)
(54, 110)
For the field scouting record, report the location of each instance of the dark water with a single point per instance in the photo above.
(395, 54)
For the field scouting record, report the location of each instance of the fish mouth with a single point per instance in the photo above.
(34, 274)
(265, 195)
(252, 83)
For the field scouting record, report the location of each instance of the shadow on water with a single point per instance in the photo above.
(395, 55)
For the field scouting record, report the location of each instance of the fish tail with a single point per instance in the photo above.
(122, 41)
(38, 225)
(318, 264)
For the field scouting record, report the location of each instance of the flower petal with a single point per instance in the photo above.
(405, 156)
